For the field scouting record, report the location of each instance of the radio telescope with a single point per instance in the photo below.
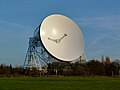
(56, 38)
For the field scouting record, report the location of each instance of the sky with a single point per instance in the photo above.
(99, 21)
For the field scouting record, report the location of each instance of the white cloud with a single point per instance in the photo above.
(13, 24)
(14, 29)
(109, 24)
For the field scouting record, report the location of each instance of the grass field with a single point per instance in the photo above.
(60, 83)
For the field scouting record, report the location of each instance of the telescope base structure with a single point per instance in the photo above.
(36, 56)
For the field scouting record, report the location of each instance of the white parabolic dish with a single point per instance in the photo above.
(61, 37)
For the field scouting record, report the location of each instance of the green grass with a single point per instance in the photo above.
(60, 83)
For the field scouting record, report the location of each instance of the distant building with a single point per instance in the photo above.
(106, 60)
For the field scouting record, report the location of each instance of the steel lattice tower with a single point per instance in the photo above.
(36, 55)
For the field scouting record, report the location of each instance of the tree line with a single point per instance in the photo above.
(90, 68)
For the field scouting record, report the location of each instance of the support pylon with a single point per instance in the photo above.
(36, 56)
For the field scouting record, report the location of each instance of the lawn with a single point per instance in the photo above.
(60, 83)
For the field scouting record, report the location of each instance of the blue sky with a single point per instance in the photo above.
(99, 21)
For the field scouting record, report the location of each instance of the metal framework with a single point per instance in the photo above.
(36, 55)
(81, 59)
